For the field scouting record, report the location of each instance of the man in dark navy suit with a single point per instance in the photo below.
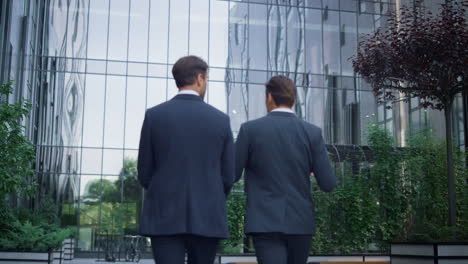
(186, 166)
(277, 154)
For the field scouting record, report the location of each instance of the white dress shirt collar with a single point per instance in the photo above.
(190, 92)
(283, 109)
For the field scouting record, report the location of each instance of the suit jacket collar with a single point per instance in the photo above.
(283, 114)
(187, 97)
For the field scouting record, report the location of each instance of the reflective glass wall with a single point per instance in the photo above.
(92, 67)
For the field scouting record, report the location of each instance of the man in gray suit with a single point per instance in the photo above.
(277, 154)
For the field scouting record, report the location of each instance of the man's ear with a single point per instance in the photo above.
(199, 79)
(270, 98)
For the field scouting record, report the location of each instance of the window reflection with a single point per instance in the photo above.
(198, 42)
(134, 110)
(93, 110)
(97, 33)
(138, 37)
(91, 161)
(115, 110)
(118, 29)
(156, 92)
(158, 30)
(219, 32)
(179, 26)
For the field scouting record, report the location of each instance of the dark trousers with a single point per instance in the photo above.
(172, 249)
(276, 248)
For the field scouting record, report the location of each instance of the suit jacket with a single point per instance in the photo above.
(278, 153)
(186, 166)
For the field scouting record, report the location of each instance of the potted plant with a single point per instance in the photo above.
(26, 235)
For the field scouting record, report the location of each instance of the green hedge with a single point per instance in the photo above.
(400, 196)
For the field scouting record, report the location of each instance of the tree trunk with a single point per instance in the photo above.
(450, 171)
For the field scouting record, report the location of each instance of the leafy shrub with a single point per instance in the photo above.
(22, 228)
(345, 218)
(16, 152)
(24, 236)
(401, 196)
(236, 215)
(425, 167)
(31, 230)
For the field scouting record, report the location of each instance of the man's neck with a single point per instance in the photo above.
(189, 91)
(282, 109)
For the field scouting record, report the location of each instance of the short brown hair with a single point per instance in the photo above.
(186, 70)
(282, 89)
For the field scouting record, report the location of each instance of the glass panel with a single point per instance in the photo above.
(348, 42)
(111, 209)
(367, 6)
(118, 29)
(257, 77)
(219, 33)
(135, 110)
(349, 5)
(69, 213)
(331, 4)
(112, 162)
(93, 111)
(132, 196)
(137, 69)
(138, 39)
(296, 43)
(72, 115)
(365, 24)
(114, 67)
(97, 35)
(157, 70)
(91, 161)
(239, 31)
(56, 17)
(313, 41)
(198, 44)
(77, 25)
(364, 86)
(315, 105)
(331, 42)
(159, 20)
(96, 66)
(132, 193)
(300, 107)
(178, 39)
(156, 92)
(172, 89)
(257, 106)
(89, 211)
(131, 155)
(313, 3)
(217, 96)
(217, 74)
(238, 103)
(115, 111)
(257, 37)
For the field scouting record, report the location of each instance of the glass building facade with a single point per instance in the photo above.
(92, 67)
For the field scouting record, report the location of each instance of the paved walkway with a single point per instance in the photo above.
(225, 260)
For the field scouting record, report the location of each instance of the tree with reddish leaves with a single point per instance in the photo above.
(424, 55)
